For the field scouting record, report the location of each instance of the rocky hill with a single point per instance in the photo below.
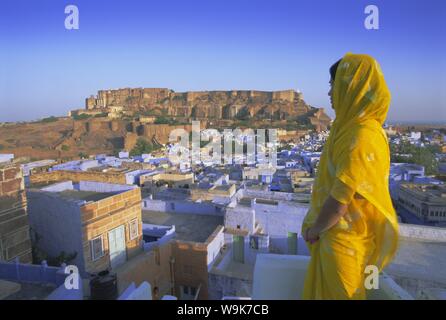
(115, 120)
(216, 105)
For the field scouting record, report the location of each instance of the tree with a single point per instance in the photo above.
(243, 115)
(142, 146)
(101, 115)
(49, 119)
(82, 116)
(162, 120)
(424, 156)
(166, 120)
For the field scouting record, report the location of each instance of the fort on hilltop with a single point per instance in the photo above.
(116, 120)
(217, 105)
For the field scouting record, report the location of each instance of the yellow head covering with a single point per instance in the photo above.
(357, 150)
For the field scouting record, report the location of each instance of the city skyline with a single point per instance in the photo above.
(199, 46)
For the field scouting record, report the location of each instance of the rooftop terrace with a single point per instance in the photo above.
(282, 277)
(419, 264)
(86, 191)
(188, 227)
(84, 195)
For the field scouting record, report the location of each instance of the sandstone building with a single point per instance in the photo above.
(14, 228)
(98, 222)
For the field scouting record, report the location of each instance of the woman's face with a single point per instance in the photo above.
(330, 92)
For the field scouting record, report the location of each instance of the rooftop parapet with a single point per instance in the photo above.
(281, 277)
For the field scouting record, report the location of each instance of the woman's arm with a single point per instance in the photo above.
(331, 212)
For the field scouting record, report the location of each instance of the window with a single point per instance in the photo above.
(97, 248)
(186, 290)
(292, 243)
(254, 242)
(133, 229)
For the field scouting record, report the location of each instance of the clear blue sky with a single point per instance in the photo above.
(215, 44)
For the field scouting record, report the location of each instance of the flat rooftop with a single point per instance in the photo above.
(86, 190)
(225, 187)
(188, 227)
(84, 195)
(420, 259)
(245, 201)
(172, 194)
(231, 268)
(437, 192)
(412, 167)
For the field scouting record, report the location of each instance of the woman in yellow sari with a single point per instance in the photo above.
(351, 222)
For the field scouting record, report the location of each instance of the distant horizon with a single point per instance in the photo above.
(328, 110)
(48, 70)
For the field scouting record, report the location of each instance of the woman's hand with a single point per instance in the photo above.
(311, 235)
(331, 212)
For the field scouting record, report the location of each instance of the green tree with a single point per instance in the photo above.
(142, 146)
(49, 119)
(243, 115)
(82, 116)
(166, 120)
(101, 115)
(424, 156)
(162, 120)
(147, 113)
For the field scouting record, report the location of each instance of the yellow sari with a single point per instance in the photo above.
(354, 169)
